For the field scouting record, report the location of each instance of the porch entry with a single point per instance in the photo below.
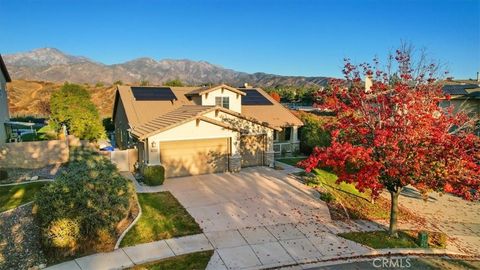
(252, 149)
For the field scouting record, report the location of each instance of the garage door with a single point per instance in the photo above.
(252, 149)
(193, 157)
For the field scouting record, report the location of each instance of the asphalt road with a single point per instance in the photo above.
(405, 263)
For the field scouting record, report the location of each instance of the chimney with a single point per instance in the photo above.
(478, 77)
(246, 85)
(368, 83)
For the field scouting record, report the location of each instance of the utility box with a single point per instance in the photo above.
(423, 239)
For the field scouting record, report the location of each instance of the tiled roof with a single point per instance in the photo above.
(169, 120)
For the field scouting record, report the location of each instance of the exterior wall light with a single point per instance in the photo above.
(154, 144)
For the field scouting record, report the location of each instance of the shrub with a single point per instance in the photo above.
(63, 233)
(153, 175)
(108, 124)
(3, 175)
(79, 212)
(327, 197)
(313, 133)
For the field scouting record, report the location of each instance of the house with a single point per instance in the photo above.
(4, 115)
(197, 130)
(464, 96)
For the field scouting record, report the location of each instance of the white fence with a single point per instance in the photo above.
(124, 159)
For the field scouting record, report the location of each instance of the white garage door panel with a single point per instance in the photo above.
(193, 157)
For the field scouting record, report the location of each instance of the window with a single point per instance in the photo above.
(288, 133)
(222, 102)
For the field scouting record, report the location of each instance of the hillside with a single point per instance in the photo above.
(29, 97)
(50, 64)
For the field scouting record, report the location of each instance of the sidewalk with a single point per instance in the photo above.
(250, 248)
(129, 256)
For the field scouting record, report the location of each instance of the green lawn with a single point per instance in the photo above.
(330, 179)
(406, 239)
(162, 217)
(291, 161)
(194, 261)
(358, 204)
(43, 134)
(14, 196)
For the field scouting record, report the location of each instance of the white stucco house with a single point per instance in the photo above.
(198, 130)
(4, 115)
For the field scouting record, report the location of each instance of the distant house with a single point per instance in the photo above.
(197, 130)
(464, 96)
(4, 115)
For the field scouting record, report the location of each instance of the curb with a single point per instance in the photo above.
(26, 182)
(13, 209)
(117, 245)
(378, 254)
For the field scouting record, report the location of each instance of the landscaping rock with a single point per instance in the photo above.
(19, 240)
(18, 175)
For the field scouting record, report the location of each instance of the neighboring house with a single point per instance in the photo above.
(197, 130)
(464, 95)
(4, 115)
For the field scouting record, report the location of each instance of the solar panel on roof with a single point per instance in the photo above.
(253, 97)
(153, 93)
(455, 89)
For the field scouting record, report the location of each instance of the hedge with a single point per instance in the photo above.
(153, 175)
(79, 212)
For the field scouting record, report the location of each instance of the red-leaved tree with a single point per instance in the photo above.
(275, 96)
(395, 134)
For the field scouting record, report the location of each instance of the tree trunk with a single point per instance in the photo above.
(394, 212)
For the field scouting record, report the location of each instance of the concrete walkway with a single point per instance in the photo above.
(288, 168)
(129, 256)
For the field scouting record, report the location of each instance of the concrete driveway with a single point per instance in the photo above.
(260, 218)
(257, 196)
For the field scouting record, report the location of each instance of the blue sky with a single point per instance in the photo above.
(295, 37)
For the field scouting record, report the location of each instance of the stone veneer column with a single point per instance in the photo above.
(270, 159)
(235, 163)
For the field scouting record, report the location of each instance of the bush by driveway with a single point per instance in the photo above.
(80, 212)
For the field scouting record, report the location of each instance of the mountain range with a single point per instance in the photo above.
(50, 64)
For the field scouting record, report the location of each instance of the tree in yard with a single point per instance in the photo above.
(275, 96)
(173, 83)
(395, 134)
(72, 107)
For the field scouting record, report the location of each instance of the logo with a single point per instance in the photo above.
(398, 263)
